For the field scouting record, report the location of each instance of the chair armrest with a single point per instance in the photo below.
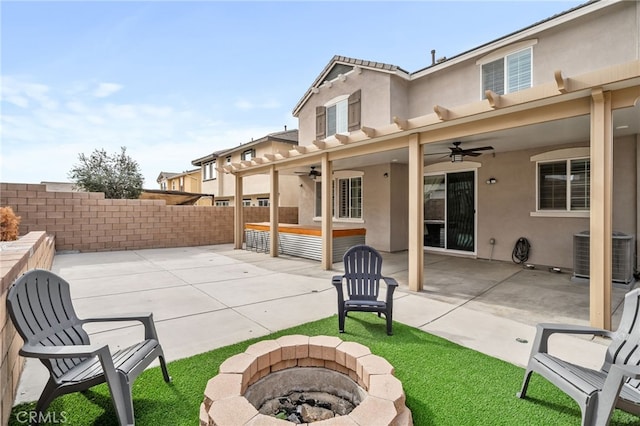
(72, 351)
(146, 318)
(545, 330)
(336, 280)
(392, 284)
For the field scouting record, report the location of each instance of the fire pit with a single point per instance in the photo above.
(301, 379)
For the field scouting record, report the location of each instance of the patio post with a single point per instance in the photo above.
(273, 212)
(327, 219)
(416, 213)
(600, 226)
(238, 215)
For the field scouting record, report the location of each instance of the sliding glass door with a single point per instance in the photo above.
(449, 211)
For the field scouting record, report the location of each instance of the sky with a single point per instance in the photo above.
(173, 81)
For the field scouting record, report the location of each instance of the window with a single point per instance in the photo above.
(337, 118)
(263, 202)
(339, 115)
(564, 185)
(346, 200)
(246, 202)
(222, 203)
(248, 154)
(209, 170)
(228, 160)
(508, 74)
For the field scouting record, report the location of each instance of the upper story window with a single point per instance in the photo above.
(263, 202)
(563, 183)
(248, 154)
(209, 171)
(508, 74)
(339, 115)
(229, 160)
(508, 69)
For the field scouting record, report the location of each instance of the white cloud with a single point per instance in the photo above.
(106, 89)
(244, 104)
(42, 144)
(20, 93)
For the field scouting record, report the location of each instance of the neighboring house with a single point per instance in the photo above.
(256, 191)
(555, 111)
(189, 181)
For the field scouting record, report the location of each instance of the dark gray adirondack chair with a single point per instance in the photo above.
(597, 392)
(39, 303)
(362, 275)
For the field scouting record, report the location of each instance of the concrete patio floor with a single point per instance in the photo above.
(206, 297)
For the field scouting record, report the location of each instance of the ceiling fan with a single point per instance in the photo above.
(313, 173)
(457, 154)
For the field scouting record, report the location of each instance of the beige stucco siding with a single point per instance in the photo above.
(375, 101)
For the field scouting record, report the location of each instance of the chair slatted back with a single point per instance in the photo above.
(39, 303)
(363, 271)
(625, 346)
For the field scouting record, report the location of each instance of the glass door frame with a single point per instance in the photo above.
(444, 173)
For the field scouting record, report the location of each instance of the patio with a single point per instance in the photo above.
(223, 296)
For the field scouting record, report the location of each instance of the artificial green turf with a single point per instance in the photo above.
(445, 383)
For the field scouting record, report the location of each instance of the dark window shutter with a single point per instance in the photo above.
(354, 111)
(321, 122)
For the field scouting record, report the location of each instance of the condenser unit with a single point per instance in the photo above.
(621, 257)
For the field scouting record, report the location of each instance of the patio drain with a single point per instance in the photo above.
(312, 368)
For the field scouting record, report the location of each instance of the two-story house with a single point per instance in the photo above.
(533, 135)
(256, 190)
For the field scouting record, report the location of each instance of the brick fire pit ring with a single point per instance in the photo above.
(384, 402)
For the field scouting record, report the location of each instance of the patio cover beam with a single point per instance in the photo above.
(273, 211)
(600, 224)
(238, 215)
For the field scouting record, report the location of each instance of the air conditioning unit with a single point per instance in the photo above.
(621, 257)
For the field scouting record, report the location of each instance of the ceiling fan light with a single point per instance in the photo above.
(456, 158)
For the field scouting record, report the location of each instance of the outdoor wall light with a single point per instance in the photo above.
(491, 181)
(386, 175)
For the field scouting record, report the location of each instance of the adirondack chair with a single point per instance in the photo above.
(597, 392)
(39, 303)
(362, 275)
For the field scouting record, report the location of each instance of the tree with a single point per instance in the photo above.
(117, 175)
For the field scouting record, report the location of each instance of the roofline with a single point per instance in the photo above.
(357, 63)
(550, 22)
(270, 137)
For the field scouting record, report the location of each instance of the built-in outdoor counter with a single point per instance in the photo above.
(302, 241)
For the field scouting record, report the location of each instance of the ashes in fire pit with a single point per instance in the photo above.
(306, 407)
(305, 395)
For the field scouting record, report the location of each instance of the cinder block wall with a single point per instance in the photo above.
(86, 221)
(35, 250)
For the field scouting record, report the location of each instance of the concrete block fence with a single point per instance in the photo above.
(86, 221)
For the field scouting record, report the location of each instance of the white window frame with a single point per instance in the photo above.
(504, 54)
(248, 154)
(263, 202)
(344, 175)
(341, 107)
(563, 155)
(246, 202)
(222, 203)
(209, 171)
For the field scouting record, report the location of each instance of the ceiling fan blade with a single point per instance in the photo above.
(482, 148)
(471, 154)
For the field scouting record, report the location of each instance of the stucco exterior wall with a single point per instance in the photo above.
(504, 209)
(588, 43)
(376, 101)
